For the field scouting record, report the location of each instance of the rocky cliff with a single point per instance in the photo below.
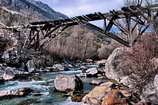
(22, 11)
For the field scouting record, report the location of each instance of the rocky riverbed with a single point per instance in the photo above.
(36, 87)
(42, 93)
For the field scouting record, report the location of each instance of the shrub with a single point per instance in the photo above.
(105, 50)
(139, 63)
(77, 43)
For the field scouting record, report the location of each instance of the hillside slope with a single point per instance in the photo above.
(30, 9)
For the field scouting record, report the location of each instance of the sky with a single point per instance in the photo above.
(80, 7)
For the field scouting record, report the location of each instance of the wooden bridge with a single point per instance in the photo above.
(131, 22)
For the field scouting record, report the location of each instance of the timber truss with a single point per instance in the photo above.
(131, 22)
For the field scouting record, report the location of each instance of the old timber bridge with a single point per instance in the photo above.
(133, 17)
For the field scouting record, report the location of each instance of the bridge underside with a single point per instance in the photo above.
(130, 23)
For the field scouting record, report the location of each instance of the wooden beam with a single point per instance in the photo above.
(109, 26)
(51, 31)
(140, 34)
(111, 35)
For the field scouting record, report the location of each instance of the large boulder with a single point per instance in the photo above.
(92, 72)
(96, 96)
(150, 91)
(31, 66)
(10, 57)
(115, 97)
(66, 83)
(10, 53)
(113, 67)
(107, 94)
(8, 74)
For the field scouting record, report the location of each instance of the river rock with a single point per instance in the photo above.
(92, 72)
(83, 67)
(14, 93)
(8, 74)
(58, 67)
(30, 66)
(89, 60)
(66, 83)
(95, 82)
(10, 53)
(5, 55)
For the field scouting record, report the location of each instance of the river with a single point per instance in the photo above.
(43, 91)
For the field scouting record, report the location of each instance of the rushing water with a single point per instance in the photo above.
(43, 93)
